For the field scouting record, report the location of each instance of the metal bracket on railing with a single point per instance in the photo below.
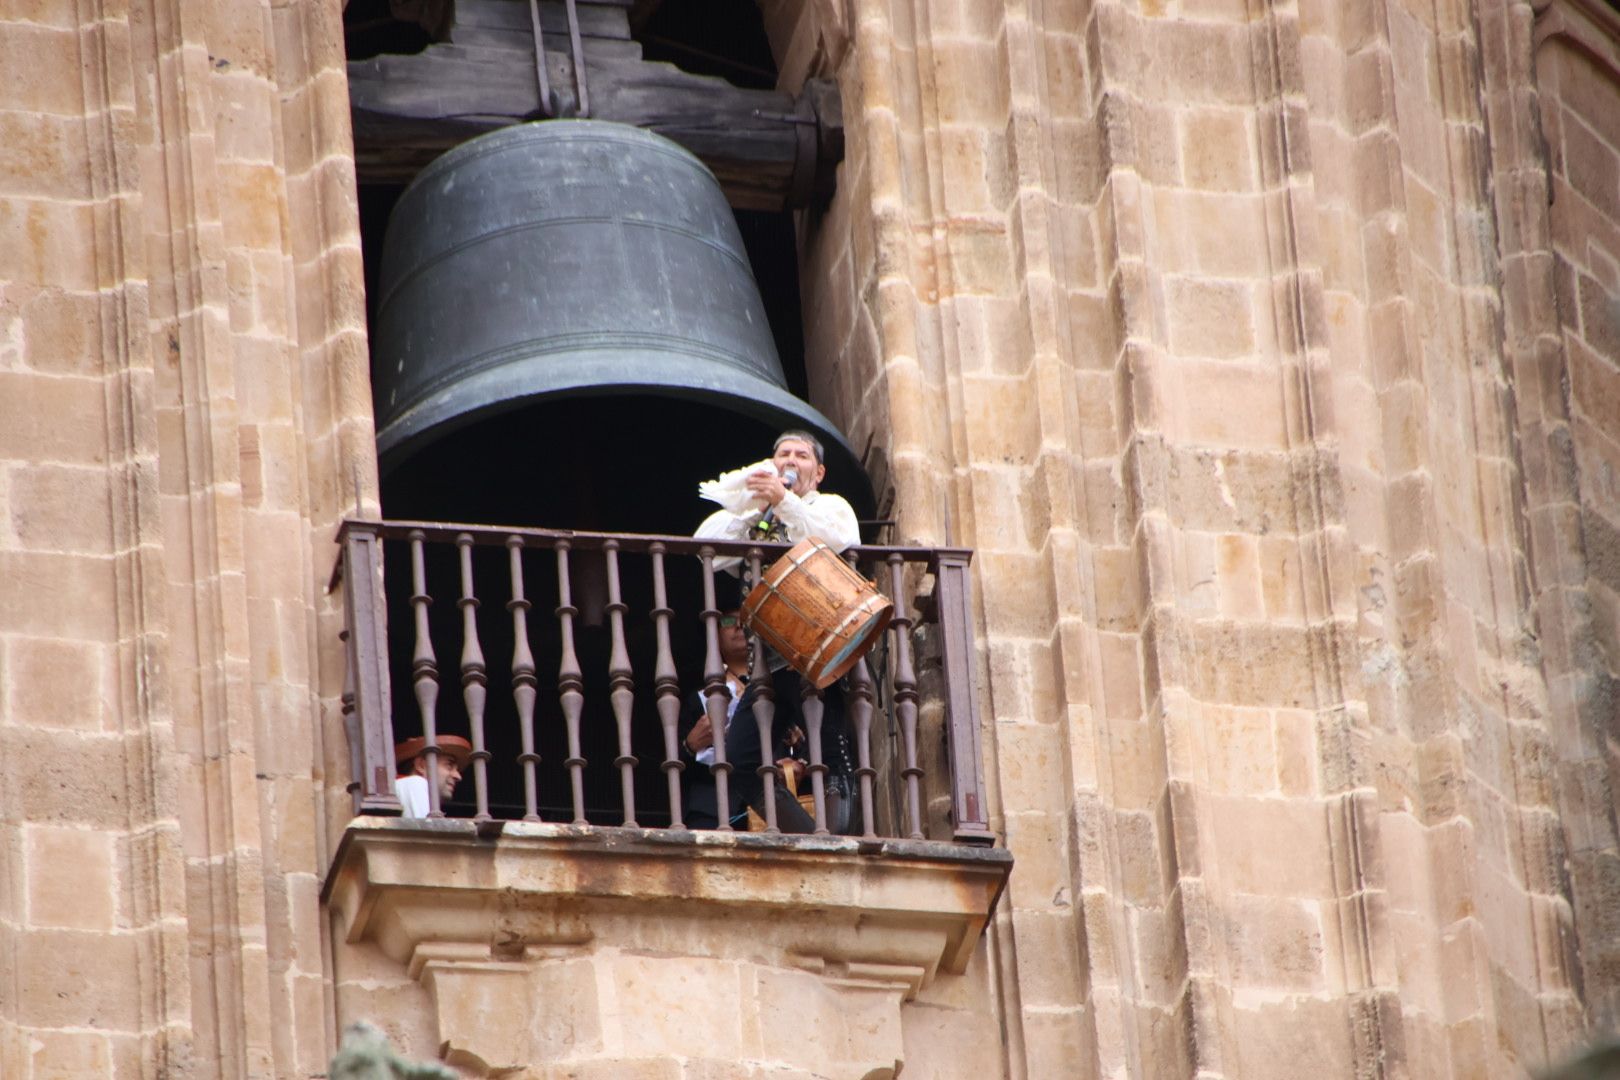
(576, 48)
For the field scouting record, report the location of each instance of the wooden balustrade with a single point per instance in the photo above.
(526, 751)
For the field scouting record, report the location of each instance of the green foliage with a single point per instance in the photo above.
(366, 1055)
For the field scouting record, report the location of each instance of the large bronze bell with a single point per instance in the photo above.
(575, 260)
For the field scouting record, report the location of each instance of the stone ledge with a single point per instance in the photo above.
(838, 905)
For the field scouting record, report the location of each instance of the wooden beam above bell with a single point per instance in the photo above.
(769, 150)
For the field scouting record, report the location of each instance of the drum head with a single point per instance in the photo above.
(858, 646)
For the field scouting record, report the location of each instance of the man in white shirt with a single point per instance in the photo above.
(791, 508)
(797, 509)
(411, 785)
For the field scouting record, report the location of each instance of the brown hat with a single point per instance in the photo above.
(450, 745)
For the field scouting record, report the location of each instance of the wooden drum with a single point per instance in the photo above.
(817, 611)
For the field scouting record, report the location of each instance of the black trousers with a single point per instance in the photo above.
(743, 748)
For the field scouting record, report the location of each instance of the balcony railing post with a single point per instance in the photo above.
(970, 823)
(666, 687)
(621, 681)
(367, 614)
(860, 721)
(860, 716)
(716, 698)
(570, 683)
(525, 684)
(905, 698)
(764, 711)
(813, 707)
(474, 678)
(425, 670)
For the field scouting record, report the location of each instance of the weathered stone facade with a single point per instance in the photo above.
(1268, 356)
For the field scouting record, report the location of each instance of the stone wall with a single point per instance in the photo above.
(1267, 355)
(184, 415)
(1204, 324)
(1573, 454)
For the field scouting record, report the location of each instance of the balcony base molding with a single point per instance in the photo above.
(554, 950)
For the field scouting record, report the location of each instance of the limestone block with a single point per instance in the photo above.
(1058, 1042)
(55, 683)
(1031, 761)
(1196, 62)
(1020, 611)
(981, 256)
(1505, 915)
(491, 1018)
(1273, 944)
(309, 1018)
(1274, 1040)
(965, 95)
(55, 1055)
(1051, 960)
(1136, 763)
(1217, 149)
(1297, 752)
(1270, 847)
(40, 62)
(404, 1010)
(57, 508)
(1241, 750)
(75, 778)
(245, 123)
(1255, 663)
(70, 877)
(993, 333)
(1118, 589)
(1142, 856)
(1215, 402)
(942, 1043)
(1594, 370)
(1427, 228)
(45, 158)
(1237, 577)
(690, 1007)
(860, 1032)
(48, 242)
(82, 979)
(1146, 137)
(1589, 166)
(1161, 947)
(1039, 842)
(30, 410)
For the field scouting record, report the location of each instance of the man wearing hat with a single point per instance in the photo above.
(411, 785)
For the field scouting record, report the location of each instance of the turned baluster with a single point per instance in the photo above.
(425, 671)
(525, 686)
(570, 683)
(905, 696)
(861, 698)
(764, 711)
(860, 715)
(716, 697)
(621, 681)
(666, 687)
(474, 678)
(812, 707)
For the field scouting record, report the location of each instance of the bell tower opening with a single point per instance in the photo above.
(570, 328)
